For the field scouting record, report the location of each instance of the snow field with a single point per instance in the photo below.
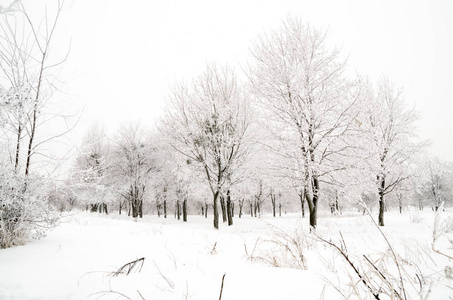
(187, 260)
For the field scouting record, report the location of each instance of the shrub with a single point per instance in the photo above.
(24, 209)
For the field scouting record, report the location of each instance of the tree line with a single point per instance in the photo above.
(292, 122)
(295, 121)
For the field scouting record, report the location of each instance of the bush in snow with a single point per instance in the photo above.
(24, 209)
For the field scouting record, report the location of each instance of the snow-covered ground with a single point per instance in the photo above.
(78, 259)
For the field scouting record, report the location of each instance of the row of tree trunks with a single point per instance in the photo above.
(98, 207)
(161, 206)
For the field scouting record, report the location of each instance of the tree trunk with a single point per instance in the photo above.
(222, 205)
(400, 202)
(165, 208)
(313, 203)
(258, 204)
(178, 209)
(229, 209)
(273, 204)
(302, 202)
(337, 205)
(251, 209)
(241, 204)
(206, 210)
(279, 209)
(255, 208)
(381, 200)
(184, 210)
(202, 209)
(129, 206)
(19, 134)
(216, 210)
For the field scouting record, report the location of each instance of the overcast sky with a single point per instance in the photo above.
(126, 54)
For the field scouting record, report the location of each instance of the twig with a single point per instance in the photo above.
(221, 287)
(382, 275)
(169, 282)
(140, 295)
(130, 266)
(346, 257)
(104, 293)
(213, 251)
(390, 247)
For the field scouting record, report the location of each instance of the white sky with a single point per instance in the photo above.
(126, 54)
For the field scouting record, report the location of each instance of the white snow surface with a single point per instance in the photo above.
(188, 260)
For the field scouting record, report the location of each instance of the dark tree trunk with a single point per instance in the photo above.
(178, 209)
(129, 207)
(140, 208)
(241, 204)
(255, 209)
(216, 210)
(202, 209)
(165, 208)
(279, 209)
(121, 206)
(313, 204)
(229, 209)
(251, 209)
(184, 210)
(258, 204)
(222, 206)
(19, 134)
(337, 205)
(273, 203)
(206, 210)
(302, 202)
(381, 200)
(232, 209)
(105, 209)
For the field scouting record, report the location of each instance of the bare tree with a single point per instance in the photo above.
(28, 64)
(437, 177)
(207, 122)
(91, 170)
(391, 132)
(132, 164)
(301, 83)
(28, 78)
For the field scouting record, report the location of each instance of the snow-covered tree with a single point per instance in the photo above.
(132, 164)
(301, 82)
(28, 77)
(28, 68)
(391, 137)
(207, 122)
(436, 180)
(93, 183)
